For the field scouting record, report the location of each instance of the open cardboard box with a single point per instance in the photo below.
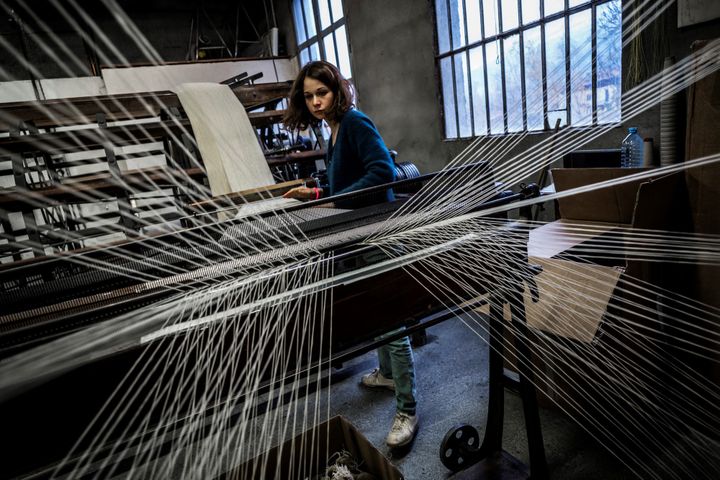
(577, 285)
(574, 294)
(306, 455)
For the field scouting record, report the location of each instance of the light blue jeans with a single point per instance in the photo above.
(396, 362)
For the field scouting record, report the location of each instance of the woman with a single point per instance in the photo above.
(357, 158)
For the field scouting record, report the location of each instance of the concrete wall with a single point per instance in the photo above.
(393, 63)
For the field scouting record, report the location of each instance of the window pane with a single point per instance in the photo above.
(513, 83)
(324, 9)
(299, 24)
(555, 67)
(448, 98)
(329, 44)
(457, 23)
(309, 18)
(462, 88)
(490, 17)
(509, 14)
(304, 56)
(343, 53)
(337, 9)
(314, 51)
(494, 75)
(442, 26)
(532, 50)
(530, 11)
(609, 65)
(553, 6)
(474, 24)
(580, 69)
(478, 90)
(474, 82)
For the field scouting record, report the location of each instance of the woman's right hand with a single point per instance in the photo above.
(304, 193)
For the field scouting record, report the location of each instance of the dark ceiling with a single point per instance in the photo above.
(249, 14)
(178, 30)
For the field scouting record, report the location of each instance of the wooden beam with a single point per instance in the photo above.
(83, 110)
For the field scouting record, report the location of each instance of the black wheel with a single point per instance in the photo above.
(459, 446)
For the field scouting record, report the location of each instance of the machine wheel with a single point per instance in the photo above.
(459, 446)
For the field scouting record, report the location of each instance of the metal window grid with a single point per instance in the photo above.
(499, 37)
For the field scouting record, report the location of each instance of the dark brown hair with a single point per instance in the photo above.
(297, 115)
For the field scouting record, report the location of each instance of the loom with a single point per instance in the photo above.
(48, 298)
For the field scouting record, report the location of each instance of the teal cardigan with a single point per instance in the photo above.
(359, 158)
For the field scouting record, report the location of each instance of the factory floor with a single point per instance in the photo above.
(452, 383)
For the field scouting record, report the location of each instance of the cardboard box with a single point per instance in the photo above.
(580, 283)
(574, 294)
(306, 455)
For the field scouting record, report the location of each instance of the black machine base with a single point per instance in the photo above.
(499, 466)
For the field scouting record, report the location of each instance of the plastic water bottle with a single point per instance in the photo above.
(631, 150)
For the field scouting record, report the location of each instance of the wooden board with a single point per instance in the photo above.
(249, 195)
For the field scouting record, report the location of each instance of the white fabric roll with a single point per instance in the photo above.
(226, 139)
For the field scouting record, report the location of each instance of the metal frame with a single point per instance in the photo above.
(320, 33)
(499, 37)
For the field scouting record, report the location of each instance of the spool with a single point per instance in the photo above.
(668, 121)
(648, 153)
(274, 44)
(405, 171)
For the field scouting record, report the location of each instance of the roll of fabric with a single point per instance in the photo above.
(226, 139)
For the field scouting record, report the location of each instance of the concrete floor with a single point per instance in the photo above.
(452, 388)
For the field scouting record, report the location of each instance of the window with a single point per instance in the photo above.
(516, 65)
(321, 34)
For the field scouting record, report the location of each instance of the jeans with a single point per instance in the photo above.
(396, 362)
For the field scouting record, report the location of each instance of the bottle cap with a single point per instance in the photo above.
(632, 129)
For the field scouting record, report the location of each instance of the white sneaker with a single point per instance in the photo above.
(375, 379)
(403, 430)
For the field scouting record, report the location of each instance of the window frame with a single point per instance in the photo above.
(320, 33)
(499, 37)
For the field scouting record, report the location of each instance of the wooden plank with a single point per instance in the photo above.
(244, 196)
(86, 188)
(83, 110)
(84, 139)
(297, 157)
(250, 95)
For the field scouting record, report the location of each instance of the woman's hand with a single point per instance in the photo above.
(304, 193)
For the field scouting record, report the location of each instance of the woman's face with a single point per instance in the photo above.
(318, 97)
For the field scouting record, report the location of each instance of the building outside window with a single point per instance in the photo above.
(523, 65)
(321, 34)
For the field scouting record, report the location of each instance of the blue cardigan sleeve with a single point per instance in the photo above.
(371, 151)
